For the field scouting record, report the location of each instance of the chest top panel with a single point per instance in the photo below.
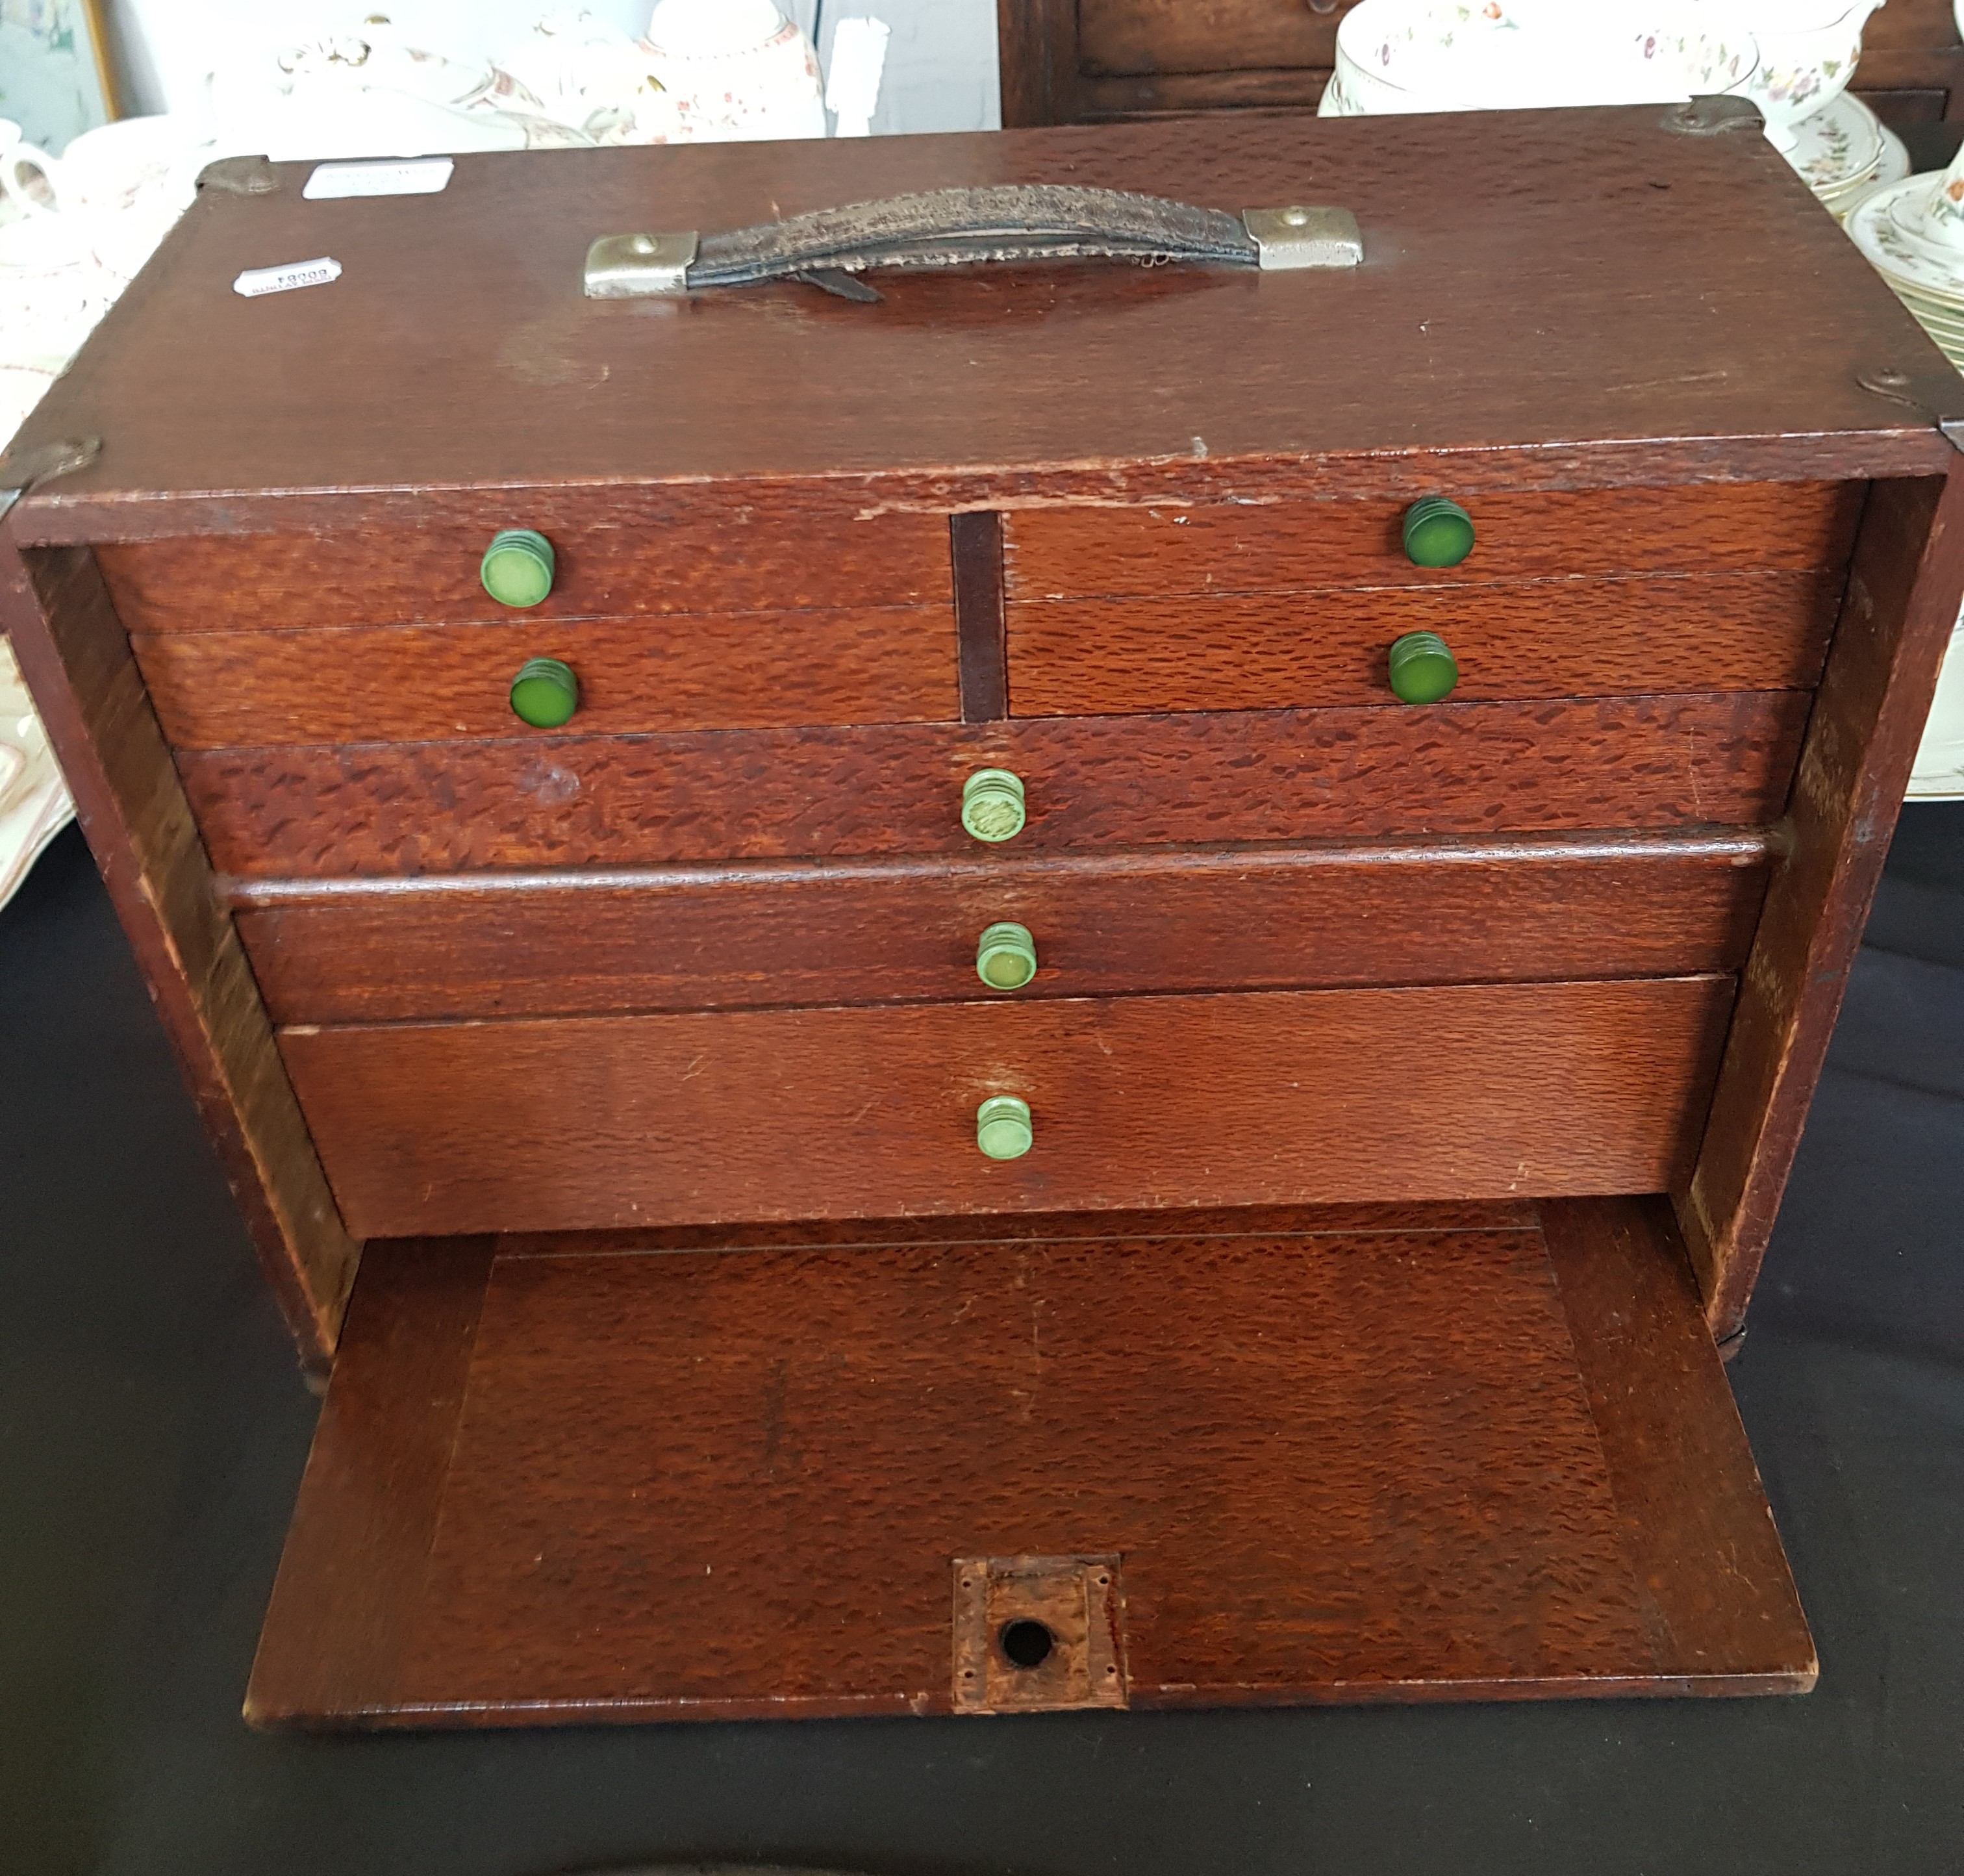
(1575, 295)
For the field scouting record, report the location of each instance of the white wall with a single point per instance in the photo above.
(941, 62)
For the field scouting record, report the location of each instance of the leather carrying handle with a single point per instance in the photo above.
(1013, 222)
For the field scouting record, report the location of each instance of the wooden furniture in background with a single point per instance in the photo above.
(1408, 1086)
(1084, 61)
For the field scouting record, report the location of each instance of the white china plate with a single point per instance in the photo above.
(1837, 145)
(1905, 263)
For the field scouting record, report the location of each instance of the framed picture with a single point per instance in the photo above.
(55, 81)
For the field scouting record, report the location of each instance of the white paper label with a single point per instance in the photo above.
(423, 175)
(259, 280)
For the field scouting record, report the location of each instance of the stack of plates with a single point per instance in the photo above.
(1843, 152)
(1898, 237)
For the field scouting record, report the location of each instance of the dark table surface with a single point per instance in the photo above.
(152, 1428)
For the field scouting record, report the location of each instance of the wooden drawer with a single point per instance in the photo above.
(1612, 636)
(543, 944)
(378, 810)
(409, 683)
(714, 554)
(1289, 547)
(1128, 37)
(1282, 1097)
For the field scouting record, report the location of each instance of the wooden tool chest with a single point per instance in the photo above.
(1087, 987)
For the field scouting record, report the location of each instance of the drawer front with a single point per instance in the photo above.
(378, 810)
(1290, 547)
(411, 683)
(713, 556)
(1612, 636)
(1285, 1097)
(1127, 38)
(759, 937)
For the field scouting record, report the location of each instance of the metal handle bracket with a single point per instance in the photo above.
(1013, 222)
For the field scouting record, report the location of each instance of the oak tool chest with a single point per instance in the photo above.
(947, 974)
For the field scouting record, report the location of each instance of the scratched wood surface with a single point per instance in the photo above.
(1395, 1463)
(408, 683)
(1279, 547)
(1726, 359)
(1094, 783)
(548, 944)
(1276, 1097)
(1576, 637)
(698, 550)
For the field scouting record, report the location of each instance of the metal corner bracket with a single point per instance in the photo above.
(1713, 114)
(1298, 236)
(639, 266)
(1888, 381)
(22, 474)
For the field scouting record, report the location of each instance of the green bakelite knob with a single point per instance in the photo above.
(1423, 670)
(517, 569)
(545, 693)
(1003, 1128)
(992, 805)
(1005, 957)
(1438, 533)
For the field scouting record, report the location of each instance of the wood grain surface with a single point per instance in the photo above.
(710, 550)
(1666, 1417)
(1900, 610)
(76, 661)
(1379, 1466)
(719, 937)
(381, 810)
(357, 1551)
(1580, 637)
(1660, 347)
(1280, 1097)
(1078, 553)
(408, 683)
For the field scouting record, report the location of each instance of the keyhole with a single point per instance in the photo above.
(1025, 1643)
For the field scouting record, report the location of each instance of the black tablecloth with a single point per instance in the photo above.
(152, 1428)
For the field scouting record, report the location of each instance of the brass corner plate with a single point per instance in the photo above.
(1068, 1611)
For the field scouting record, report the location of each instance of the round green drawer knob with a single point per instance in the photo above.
(1005, 956)
(992, 805)
(517, 569)
(545, 693)
(1423, 670)
(1003, 1128)
(1438, 533)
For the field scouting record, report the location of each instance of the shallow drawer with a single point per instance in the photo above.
(1281, 546)
(544, 945)
(1283, 1097)
(381, 810)
(1131, 37)
(715, 555)
(408, 683)
(1612, 636)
